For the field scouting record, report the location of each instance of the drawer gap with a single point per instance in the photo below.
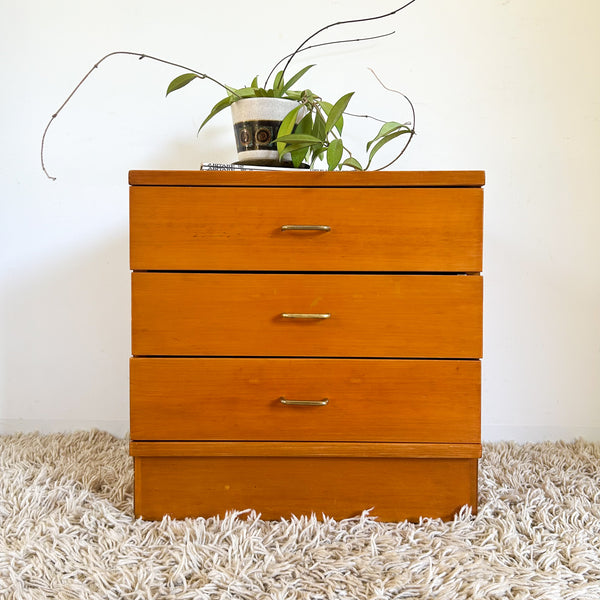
(261, 356)
(290, 272)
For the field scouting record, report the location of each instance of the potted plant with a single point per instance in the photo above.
(280, 124)
(284, 124)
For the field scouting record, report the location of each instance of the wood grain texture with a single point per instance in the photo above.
(395, 488)
(301, 178)
(368, 400)
(308, 449)
(216, 314)
(387, 229)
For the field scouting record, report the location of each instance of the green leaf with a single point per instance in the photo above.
(305, 126)
(336, 111)
(352, 162)
(292, 95)
(278, 84)
(309, 99)
(327, 106)
(246, 92)
(295, 78)
(295, 138)
(383, 141)
(386, 129)
(299, 155)
(296, 147)
(254, 83)
(217, 108)
(287, 126)
(180, 81)
(299, 146)
(318, 129)
(334, 153)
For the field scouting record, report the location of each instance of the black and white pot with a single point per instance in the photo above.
(256, 122)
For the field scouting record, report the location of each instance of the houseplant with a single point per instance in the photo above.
(312, 127)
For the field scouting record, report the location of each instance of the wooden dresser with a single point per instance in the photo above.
(306, 342)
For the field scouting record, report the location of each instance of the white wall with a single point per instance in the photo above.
(512, 87)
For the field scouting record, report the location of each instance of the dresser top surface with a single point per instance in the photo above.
(301, 178)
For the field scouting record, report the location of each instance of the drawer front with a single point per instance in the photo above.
(362, 400)
(383, 229)
(394, 488)
(235, 314)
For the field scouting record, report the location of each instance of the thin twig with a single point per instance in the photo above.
(373, 37)
(299, 48)
(365, 117)
(140, 56)
(412, 133)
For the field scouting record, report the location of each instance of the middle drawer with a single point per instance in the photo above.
(249, 314)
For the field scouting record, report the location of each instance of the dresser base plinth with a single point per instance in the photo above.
(396, 489)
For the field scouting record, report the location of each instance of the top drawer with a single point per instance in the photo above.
(368, 229)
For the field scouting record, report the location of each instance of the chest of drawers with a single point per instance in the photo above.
(306, 342)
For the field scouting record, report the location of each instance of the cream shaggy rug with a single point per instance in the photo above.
(66, 531)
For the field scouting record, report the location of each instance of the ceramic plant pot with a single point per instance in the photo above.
(256, 122)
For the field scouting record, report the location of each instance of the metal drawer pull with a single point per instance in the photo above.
(305, 228)
(306, 315)
(323, 402)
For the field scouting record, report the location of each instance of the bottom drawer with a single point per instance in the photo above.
(374, 400)
(324, 481)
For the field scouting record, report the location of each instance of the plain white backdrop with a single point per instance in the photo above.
(511, 87)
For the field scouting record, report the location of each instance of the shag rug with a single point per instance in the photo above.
(67, 531)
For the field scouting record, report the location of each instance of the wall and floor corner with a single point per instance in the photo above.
(509, 87)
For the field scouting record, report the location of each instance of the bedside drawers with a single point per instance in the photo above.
(306, 342)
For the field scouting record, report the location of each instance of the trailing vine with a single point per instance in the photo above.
(317, 135)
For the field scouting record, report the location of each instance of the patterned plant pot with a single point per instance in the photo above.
(256, 122)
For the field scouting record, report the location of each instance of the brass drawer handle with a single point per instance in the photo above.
(306, 315)
(287, 402)
(305, 228)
